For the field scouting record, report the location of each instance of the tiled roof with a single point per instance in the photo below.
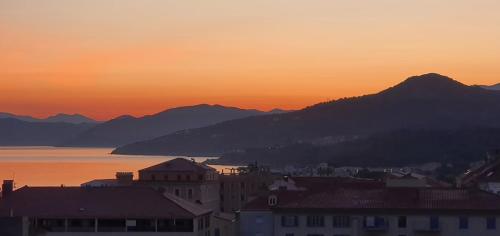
(179, 165)
(383, 198)
(76, 202)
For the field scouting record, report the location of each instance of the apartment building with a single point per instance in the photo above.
(112, 211)
(362, 208)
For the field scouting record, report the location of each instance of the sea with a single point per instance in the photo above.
(56, 166)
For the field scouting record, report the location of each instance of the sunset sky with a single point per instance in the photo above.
(105, 58)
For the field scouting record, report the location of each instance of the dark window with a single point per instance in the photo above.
(463, 222)
(110, 225)
(177, 225)
(188, 177)
(242, 197)
(177, 192)
(165, 177)
(190, 194)
(81, 225)
(402, 221)
(242, 185)
(341, 221)
(217, 232)
(200, 177)
(153, 177)
(315, 221)
(179, 177)
(491, 223)
(200, 224)
(434, 222)
(207, 222)
(289, 221)
(222, 197)
(142, 225)
(51, 225)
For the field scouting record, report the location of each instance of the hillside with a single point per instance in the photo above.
(429, 101)
(127, 129)
(22, 133)
(396, 148)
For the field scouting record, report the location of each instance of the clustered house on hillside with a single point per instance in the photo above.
(486, 176)
(325, 207)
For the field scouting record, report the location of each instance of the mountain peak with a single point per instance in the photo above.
(429, 85)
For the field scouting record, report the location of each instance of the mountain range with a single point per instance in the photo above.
(73, 118)
(128, 129)
(16, 132)
(429, 102)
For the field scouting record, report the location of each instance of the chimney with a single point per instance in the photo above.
(124, 178)
(7, 187)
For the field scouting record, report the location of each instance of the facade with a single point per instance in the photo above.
(238, 188)
(187, 179)
(358, 208)
(115, 211)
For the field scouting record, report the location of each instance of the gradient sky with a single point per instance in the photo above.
(105, 58)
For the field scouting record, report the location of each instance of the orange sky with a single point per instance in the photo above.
(114, 57)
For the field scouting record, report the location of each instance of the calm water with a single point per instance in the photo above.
(48, 166)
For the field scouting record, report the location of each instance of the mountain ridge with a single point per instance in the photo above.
(427, 101)
(127, 129)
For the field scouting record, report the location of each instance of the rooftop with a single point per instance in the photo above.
(364, 196)
(111, 202)
(179, 165)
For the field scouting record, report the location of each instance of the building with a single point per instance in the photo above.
(241, 186)
(358, 208)
(186, 179)
(131, 211)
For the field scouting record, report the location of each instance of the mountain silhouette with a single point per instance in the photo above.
(429, 101)
(61, 117)
(16, 132)
(127, 129)
(491, 87)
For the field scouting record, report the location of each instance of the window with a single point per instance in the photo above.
(177, 192)
(402, 221)
(165, 177)
(463, 222)
(272, 200)
(434, 222)
(289, 234)
(242, 185)
(315, 221)
(190, 194)
(217, 232)
(200, 177)
(491, 223)
(341, 221)
(179, 177)
(375, 222)
(188, 177)
(289, 221)
(153, 177)
(200, 224)
(242, 197)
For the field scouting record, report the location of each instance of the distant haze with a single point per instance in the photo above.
(108, 58)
